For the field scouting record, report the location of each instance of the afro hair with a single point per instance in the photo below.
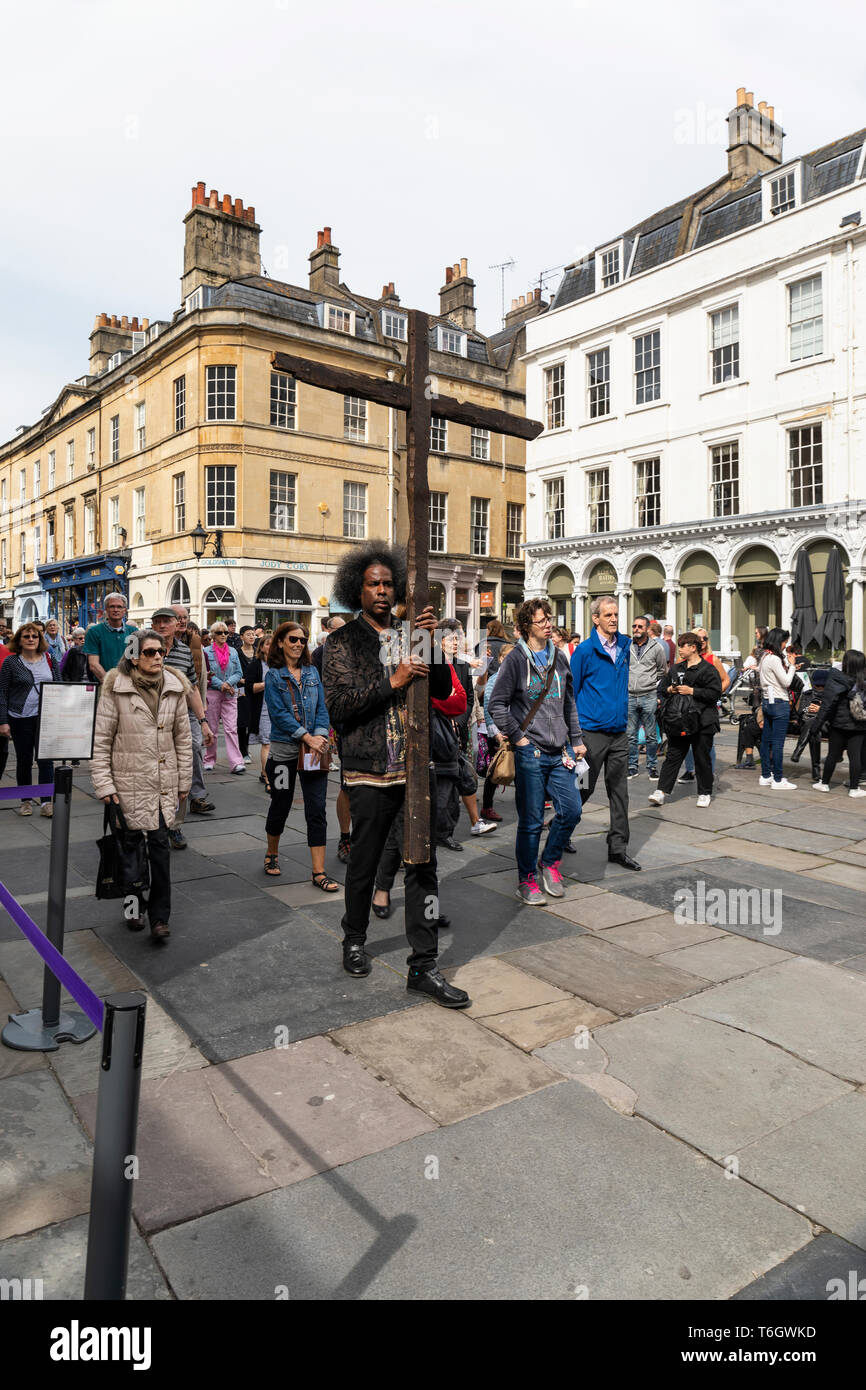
(350, 572)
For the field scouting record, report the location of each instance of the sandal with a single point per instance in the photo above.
(327, 884)
(272, 866)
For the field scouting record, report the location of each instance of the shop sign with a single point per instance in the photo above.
(487, 598)
(214, 562)
(604, 578)
(461, 598)
(281, 565)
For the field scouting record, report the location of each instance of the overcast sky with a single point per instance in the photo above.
(419, 133)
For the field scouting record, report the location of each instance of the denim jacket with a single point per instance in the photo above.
(233, 675)
(310, 698)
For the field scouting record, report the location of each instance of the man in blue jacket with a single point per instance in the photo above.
(600, 668)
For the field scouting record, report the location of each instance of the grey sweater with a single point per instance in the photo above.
(517, 685)
(646, 666)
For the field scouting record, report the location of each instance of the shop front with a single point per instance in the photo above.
(76, 589)
(647, 586)
(513, 591)
(560, 593)
(700, 600)
(28, 603)
(602, 580)
(284, 600)
(756, 600)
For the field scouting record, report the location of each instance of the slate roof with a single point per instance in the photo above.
(824, 170)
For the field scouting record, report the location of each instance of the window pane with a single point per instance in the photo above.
(598, 368)
(180, 403)
(514, 530)
(554, 390)
(354, 418)
(221, 393)
(438, 435)
(806, 319)
(480, 447)
(480, 525)
(598, 485)
(283, 501)
(554, 497)
(438, 517)
(805, 459)
(648, 492)
(220, 495)
(647, 367)
(726, 479)
(355, 510)
(284, 399)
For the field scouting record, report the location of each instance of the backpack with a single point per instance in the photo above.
(680, 716)
(857, 703)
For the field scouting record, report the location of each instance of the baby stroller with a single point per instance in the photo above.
(740, 688)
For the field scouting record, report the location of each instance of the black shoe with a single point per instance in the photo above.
(433, 982)
(344, 848)
(686, 777)
(356, 960)
(569, 847)
(200, 806)
(624, 859)
(633, 773)
(652, 773)
(745, 765)
(382, 910)
(176, 839)
(451, 844)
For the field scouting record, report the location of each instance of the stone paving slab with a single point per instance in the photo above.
(228, 1132)
(597, 914)
(582, 1059)
(809, 1166)
(605, 974)
(290, 977)
(719, 815)
(654, 935)
(23, 969)
(652, 828)
(447, 1065)
(809, 1274)
(725, 958)
(166, 1049)
(58, 1256)
(711, 1085)
(533, 1028)
(773, 855)
(12, 1062)
(814, 841)
(45, 1161)
(831, 818)
(846, 874)
(593, 865)
(497, 988)
(379, 1228)
(302, 894)
(816, 1011)
(222, 845)
(506, 883)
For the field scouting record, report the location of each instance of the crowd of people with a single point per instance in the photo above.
(563, 710)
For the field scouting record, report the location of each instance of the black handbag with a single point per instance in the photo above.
(124, 868)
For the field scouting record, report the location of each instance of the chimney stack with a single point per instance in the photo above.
(324, 263)
(457, 295)
(389, 294)
(221, 240)
(527, 306)
(110, 335)
(755, 141)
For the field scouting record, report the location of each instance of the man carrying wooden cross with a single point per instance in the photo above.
(366, 675)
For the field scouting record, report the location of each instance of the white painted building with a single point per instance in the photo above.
(703, 396)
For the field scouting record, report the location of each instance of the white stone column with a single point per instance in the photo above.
(727, 637)
(786, 582)
(855, 638)
(623, 594)
(671, 591)
(582, 620)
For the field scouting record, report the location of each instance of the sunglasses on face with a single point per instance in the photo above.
(296, 639)
(153, 651)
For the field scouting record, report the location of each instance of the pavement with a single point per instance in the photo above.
(658, 1093)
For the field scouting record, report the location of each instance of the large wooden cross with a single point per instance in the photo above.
(417, 396)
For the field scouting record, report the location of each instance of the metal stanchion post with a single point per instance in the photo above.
(114, 1165)
(42, 1030)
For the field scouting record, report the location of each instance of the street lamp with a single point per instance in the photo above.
(200, 539)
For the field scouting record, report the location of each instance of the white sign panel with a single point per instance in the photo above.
(67, 714)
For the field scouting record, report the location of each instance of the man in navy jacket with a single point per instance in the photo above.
(599, 668)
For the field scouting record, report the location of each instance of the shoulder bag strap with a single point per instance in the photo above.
(291, 685)
(533, 709)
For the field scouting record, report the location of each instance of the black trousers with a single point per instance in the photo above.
(314, 786)
(392, 856)
(25, 733)
(159, 857)
(678, 746)
(609, 751)
(842, 740)
(374, 811)
(4, 754)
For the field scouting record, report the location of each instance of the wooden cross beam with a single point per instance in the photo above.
(417, 396)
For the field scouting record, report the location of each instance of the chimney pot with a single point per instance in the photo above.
(134, 324)
(124, 322)
(762, 107)
(227, 203)
(464, 266)
(537, 292)
(251, 214)
(320, 239)
(327, 235)
(741, 96)
(750, 98)
(239, 207)
(771, 112)
(456, 270)
(449, 274)
(213, 198)
(513, 305)
(145, 325)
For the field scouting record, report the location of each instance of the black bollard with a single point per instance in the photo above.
(115, 1166)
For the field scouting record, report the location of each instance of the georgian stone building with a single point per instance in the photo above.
(701, 377)
(184, 421)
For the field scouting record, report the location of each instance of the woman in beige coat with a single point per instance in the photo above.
(142, 759)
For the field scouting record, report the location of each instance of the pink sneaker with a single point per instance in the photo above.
(554, 883)
(529, 892)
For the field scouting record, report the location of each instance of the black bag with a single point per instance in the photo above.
(680, 716)
(124, 869)
(444, 747)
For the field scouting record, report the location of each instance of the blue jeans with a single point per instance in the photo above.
(642, 709)
(540, 777)
(776, 718)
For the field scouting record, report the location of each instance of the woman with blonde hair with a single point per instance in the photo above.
(29, 665)
(142, 760)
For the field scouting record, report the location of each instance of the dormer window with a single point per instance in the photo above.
(199, 299)
(609, 266)
(340, 320)
(781, 192)
(449, 340)
(394, 325)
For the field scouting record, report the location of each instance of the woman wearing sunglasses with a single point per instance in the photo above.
(142, 760)
(299, 737)
(29, 665)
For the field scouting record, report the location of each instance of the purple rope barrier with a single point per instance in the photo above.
(69, 978)
(14, 793)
